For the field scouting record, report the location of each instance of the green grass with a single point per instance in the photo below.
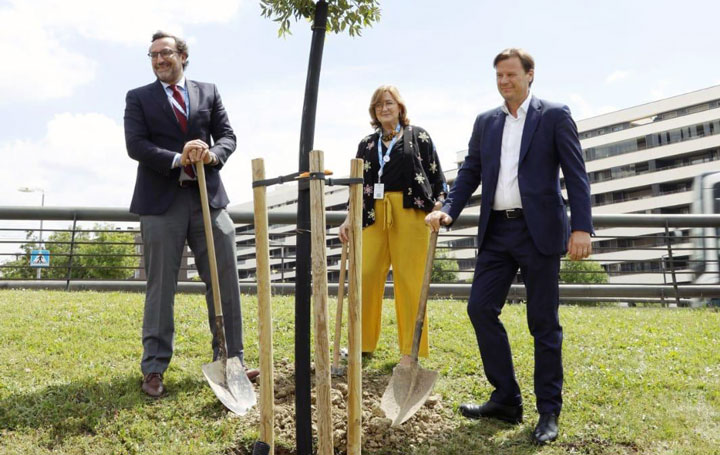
(637, 380)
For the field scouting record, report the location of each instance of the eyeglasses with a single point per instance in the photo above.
(165, 53)
(382, 104)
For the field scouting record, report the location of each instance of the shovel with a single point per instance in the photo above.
(411, 385)
(227, 377)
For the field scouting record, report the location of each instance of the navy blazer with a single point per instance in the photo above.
(153, 137)
(549, 143)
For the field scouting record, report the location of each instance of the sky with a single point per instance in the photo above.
(68, 64)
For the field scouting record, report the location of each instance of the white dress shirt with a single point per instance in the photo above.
(507, 192)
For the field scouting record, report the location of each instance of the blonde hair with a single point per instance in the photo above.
(393, 91)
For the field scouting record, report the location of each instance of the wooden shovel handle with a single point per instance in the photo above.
(200, 168)
(422, 306)
(339, 307)
(219, 322)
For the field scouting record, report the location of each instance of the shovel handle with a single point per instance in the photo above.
(422, 306)
(339, 308)
(209, 240)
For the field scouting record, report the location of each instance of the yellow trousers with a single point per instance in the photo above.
(399, 237)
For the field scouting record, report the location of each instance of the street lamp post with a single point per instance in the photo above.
(42, 204)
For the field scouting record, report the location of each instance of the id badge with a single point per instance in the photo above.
(379, 191)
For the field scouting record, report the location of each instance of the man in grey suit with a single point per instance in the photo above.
(169, 125)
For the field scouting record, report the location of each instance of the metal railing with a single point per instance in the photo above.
(668, 254)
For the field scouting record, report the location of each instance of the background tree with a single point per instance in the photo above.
(444, 268)
(97, 255)
(582, 272)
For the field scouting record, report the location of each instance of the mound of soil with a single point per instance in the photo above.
(431, 422)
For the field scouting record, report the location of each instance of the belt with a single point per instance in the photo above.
(509, 214)
(188, 183)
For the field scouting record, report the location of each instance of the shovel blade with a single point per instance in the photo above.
(229, 381)
(409, 388)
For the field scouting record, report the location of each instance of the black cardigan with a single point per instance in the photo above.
(424, 181)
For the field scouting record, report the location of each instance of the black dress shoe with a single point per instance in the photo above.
(546, 429)
(511, 414)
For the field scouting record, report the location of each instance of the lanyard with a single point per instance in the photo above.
(382, 159)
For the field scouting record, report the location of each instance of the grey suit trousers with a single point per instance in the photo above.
(164, 239)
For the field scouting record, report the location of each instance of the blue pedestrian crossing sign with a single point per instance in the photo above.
(40, 258)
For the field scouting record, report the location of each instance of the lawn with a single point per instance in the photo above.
(637, 380)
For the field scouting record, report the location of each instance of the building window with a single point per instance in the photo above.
(659, 117)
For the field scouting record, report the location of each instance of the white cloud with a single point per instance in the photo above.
(35, 37)
(617, 75)
(128, 21)
(583, 109)
(37, 66)
(81, 161)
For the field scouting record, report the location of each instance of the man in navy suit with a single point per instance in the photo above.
(517, 151)
(169, 126)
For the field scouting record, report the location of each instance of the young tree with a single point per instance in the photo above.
(336, 16)
(352, 15)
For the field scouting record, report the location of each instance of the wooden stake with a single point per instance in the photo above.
(320, 308)
(262, 255)
(354, 405)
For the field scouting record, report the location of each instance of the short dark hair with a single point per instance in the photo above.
(526, 60)
(180, 43)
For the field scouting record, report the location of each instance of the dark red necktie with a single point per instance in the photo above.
(182, 120)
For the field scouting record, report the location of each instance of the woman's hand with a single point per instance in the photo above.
(344, 231)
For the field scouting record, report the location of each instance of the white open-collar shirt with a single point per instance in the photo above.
(507, 192)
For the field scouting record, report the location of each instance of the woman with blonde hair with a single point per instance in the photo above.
(403, 181)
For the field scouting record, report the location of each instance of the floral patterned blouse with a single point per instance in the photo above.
(421, 179)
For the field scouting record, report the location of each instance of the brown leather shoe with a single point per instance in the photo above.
(253, 374)
(152, 385)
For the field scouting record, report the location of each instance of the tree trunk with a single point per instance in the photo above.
(303, 417)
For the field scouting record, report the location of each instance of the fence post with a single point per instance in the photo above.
(672, 263)
(663, 267)
(72, 249)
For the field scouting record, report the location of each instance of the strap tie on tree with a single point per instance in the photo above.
(276, 181)
(329, 181)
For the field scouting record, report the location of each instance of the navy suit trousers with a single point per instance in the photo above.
(508, 246)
